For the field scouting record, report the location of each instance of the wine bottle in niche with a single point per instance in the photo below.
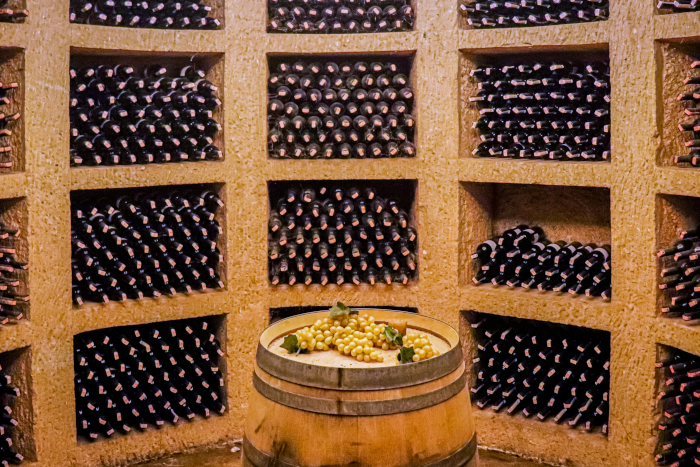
(146, 245)
(340, 235)
(298, 16)
(550, 373)
(689, 125)
(352, 110)
(505, 14)
(187, 14)
(134, 377)
(553, 111)
(121, 115)
(679, 281)
(523, 257)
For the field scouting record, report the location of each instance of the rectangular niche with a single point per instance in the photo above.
(190, 366)
(132, 145)
(208, 16)
(590, 11)
(16, 366)
(309, 252)
(674, 61)
(593, 134)
(351, 18)
(676, 217)
(14, 262)
(539, 371)
(12, 144)
(564, 213)
(277, 314)
(365, 114)
(199, 259)
(674, 388)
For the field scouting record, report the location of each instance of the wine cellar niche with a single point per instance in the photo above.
(14, 262)
(141, 108)
(677, 114)
(347, 106)
(277, 314)
(319, 234)
(567, 214)
(18, 422)
(540, 371)
(536, 105)
(190, 14)
(138, 243)
(12, 145)
(132, 379)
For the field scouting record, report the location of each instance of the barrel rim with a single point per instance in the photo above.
(360, 379)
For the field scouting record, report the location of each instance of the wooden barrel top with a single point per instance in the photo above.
(330, 370)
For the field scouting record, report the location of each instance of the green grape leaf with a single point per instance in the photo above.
(393, 336)
(406, 355)
(291, 344)
(341, 311)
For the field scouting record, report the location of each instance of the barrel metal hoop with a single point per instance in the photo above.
(459, 458)
(359, 379)
(359, 408)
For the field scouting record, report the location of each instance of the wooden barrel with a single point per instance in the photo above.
(344, 414)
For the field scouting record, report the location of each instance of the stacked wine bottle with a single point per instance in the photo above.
(330, 111)
(548, 372)
(678, 399)
(11, 15)
(523, 257)
(546, 111)
(339, 236)
(678, 6)
(124, 115)
(8, 423)
(185, 14)
(147, 245)
(334, 16)
(509, 14)
(140, 376)
(13, 278)
(680, 277)
(8, 121)
(691, 128)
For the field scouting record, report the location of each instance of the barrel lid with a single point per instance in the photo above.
(360, 379)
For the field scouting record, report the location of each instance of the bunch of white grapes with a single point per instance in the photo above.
(420, 344)
(358, 337)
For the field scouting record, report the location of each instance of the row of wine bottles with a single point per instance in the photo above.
(680, 277)
(352, 110)
(140, 376)
(348, 16)
(678, 399)
(337, 235)
(8, 423)
(513, 14)
(125, 115)
(678, 6)
(13, 276)
(147, 245)
(183, 14)
(560, 374)
(692, 128)
(8, 121)
(523, 257)
(550, 111)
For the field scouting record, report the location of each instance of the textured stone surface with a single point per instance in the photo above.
(633, 178)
